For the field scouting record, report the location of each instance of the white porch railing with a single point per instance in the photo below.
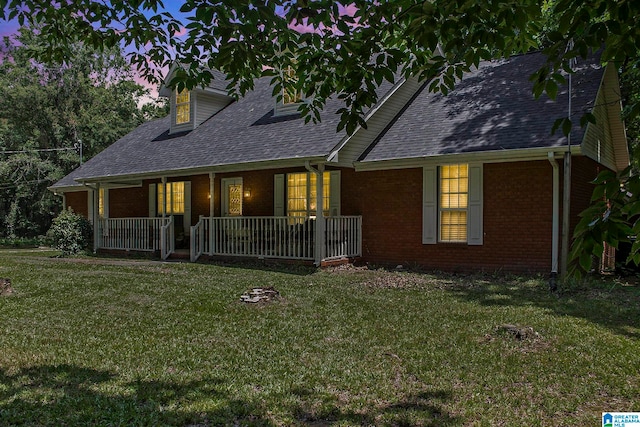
(275, 237)
(139, 234)
(167, 239)
(343, 236)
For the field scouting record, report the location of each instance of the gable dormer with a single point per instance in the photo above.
(291, 97)
(190, 108)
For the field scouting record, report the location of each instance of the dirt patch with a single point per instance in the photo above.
(520, 338)
(260, 295)
(5, 287)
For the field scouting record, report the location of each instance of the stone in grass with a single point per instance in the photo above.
(257, 295)
(5, 287)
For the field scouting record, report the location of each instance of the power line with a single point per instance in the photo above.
(38, 150)
(16, 184)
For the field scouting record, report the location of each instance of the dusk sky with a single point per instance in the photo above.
(8, 28)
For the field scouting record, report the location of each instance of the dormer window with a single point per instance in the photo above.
(183, 107)
(290, 95)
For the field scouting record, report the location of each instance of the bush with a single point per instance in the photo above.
(70, 233)
(20, 242)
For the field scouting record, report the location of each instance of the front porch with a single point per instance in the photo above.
(277, 237)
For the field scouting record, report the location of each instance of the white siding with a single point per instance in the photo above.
(377, 122)
(207, 105)
(203, 106)
(605, 141)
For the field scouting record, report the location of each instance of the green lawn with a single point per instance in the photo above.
(96, 341)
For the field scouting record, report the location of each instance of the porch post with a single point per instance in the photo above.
(164, 196)
(96, 217)
(212, 189)
(320, 222)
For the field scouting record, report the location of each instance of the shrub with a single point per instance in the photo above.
(70, 233)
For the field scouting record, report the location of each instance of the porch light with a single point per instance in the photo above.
(247, 193)
(208, 195)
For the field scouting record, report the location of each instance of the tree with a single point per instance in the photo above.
(344, 49)
(336, 48)
(46, 112)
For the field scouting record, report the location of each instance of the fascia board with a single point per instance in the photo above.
(499, 156)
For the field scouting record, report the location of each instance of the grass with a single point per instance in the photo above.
(92, 341)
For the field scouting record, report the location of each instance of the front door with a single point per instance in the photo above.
(177, 202)
(232, 197)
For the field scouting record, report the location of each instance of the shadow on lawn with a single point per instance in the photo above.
(609, 305)
(72, 395)
(423, 408)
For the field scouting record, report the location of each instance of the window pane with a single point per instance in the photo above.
(453, 226)
(235, 199)
(183, 107)
(289, 94)
(454, 200)
(301, 193)
(177, 193)
(101, 203)
(175, 198)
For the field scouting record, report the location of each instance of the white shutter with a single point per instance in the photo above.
(429, 205)
(278, 194)
(187, 207)
(474, 216)
(152, 200)
(334, 193)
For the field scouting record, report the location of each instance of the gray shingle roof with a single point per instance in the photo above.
(492, 108)
(245, 131)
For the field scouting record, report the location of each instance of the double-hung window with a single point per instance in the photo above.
(454, 201)
(452, 204)
(290, 95)
(183, 107)
(302, 194)
(175, 198)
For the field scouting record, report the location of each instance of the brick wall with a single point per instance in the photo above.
(129, 202)
(517, 212)
(77, 200)
(517, 217)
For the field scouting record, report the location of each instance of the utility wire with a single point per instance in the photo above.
(38, 150)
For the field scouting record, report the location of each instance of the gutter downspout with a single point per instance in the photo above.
(555, 222)
(320, 222)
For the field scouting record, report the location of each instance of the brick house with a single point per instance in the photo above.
(471, 180)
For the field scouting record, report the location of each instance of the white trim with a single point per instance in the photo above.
(498, 156)
(333, 156)
(475, 229)
(279, 196)
(224, 199)
(236, 167)
(429, 205)
(153, 210)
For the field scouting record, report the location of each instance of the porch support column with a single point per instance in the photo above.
(164, 196)
(212, 189)
(320, 222)
(96, 217)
